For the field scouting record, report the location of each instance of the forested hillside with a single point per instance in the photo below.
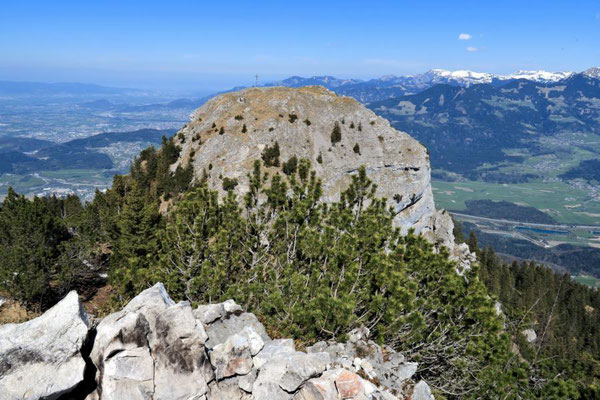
(311, 270)
(563, 314)
(467, 128)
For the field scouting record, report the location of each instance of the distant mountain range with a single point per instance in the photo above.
(465, 118)
(466, 127)
(391, 86)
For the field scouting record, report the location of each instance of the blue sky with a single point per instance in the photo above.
(217, 44)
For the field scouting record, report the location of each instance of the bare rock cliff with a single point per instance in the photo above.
(226, 135)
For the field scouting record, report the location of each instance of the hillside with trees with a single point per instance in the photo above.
(308, 269)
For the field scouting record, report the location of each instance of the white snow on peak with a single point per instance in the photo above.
(592, 72)
(538, 76)
(462, 76)
(470, 77)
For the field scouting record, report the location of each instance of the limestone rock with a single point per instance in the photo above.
(530, 335)
(284, 373)
(156, 349)
(246, 382)
(234, 356)
(153, 348)
(348, 385)
(338, 384)
(272, 349)
(232, 322)
(209, 313)
(227, 389)
(421, 391)
(362, 355)
(227, 134)
(42, 358)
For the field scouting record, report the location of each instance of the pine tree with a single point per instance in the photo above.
(135, 249)
(290, 166)
(30, 233)
(336, 133)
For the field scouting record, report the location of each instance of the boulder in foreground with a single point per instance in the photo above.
(42, 358)
(157, 349)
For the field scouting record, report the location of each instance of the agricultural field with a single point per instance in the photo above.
(566, 203)
(82, 182)
(588, 280)
(574, 204)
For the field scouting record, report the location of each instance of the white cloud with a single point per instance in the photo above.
(472, 49)
(465, 36)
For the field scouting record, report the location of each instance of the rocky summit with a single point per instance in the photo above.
(158, 349)
(226, 135)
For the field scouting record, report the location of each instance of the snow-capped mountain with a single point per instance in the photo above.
(467, 78)
(592, 72)
(462, 77)
(538, 76)
(391, 86)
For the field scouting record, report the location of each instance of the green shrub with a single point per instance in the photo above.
(270, 155)
(350, 267)
(290, 166)
(336, 133)
(229, 184)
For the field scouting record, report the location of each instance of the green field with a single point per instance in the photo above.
(587, 280)
(80, 181)
(564, 151)
(77, 175)
(564, 203)
(568, 203)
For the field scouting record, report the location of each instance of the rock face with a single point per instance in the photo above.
(152, 349)
(157, 349)
(226, 135)
(42, 358)
(361, 355)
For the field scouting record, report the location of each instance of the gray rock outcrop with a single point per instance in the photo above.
(226, 135)
(157, 349)
(42, 358)
(152, 349)
(421, 391)
(361, 355)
